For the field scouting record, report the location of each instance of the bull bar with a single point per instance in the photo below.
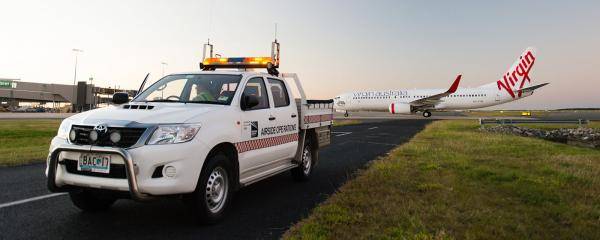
(130, 168)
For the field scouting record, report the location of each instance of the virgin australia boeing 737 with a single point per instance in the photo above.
(514, 84)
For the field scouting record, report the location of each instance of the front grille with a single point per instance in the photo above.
(116, 170)
(129, 136)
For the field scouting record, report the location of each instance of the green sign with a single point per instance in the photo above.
(7, 84)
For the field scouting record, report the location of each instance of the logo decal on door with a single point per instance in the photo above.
(254, 129)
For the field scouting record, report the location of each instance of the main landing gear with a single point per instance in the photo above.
(426, 114)
(346, 114)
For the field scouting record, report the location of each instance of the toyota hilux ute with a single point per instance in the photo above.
(198, 136)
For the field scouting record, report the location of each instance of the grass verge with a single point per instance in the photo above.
(25, 141)
(345, 122)
(592, 124)
(506, 113)
(453, 182)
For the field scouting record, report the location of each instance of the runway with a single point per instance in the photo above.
(264, 210)
(549, 115)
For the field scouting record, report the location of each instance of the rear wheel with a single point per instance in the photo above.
(214, 190)
(90, 201)
(303, 171)
(426, 114)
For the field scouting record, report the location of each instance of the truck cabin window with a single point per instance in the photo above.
(192, 88)
(279, 93)
(256, 87)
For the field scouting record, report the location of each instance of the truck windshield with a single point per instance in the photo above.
(192, 88)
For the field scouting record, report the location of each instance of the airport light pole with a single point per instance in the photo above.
(76, 52)
(164, 64)
(93, 102)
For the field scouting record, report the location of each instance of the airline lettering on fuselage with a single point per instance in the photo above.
(389, 93)
(512, 78)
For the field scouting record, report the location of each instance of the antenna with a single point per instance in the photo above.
(275, 50)
(205, 47)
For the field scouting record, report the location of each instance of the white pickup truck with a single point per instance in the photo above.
(195, 135)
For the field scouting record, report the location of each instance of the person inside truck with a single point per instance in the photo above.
(202, 92)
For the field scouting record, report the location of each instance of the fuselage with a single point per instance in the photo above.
(463, 98)
(514, 84)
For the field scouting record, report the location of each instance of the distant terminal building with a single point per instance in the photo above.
(15, 93)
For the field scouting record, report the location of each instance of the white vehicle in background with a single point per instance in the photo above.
(198, 135)
(514, 85)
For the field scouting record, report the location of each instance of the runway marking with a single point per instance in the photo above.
(339, 134)
(9, 204)
(371, 128)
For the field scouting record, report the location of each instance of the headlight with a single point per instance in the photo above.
(63, 130)
(166, 134)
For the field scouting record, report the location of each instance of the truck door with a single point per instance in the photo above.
(253, 149)
(286, 124)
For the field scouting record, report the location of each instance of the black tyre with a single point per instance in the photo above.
(427, 114)
(214, 190)
(308, 157)
(90, 201)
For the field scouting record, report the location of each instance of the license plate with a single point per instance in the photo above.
(99, 163)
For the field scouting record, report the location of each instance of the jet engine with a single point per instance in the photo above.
(400, 108)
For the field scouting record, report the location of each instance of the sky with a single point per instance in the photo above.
(334, 46)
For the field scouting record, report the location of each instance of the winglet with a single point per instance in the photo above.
(532, 88)
(454, 86)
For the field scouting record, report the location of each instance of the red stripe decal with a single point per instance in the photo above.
(265, 142)
(318, 118)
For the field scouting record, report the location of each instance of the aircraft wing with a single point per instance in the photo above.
(435, 99)
(531, 89)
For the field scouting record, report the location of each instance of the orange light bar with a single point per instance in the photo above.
(238, 61)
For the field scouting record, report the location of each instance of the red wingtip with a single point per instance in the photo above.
(455, 84)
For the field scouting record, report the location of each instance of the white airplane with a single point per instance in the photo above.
(514, 84)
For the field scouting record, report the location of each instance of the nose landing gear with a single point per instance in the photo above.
(346, 114)
(426, 114)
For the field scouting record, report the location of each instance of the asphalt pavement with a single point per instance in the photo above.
(264, 210)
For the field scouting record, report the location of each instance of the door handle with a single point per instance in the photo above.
(271, 118)
(293, 115)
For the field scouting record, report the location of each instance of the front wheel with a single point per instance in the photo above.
(303, 171)
(214, 190)
(426, 114)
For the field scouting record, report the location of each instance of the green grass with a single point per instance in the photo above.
(505, 113)
(25, 141)
(552, 126)
(345, 122)
(453, 182)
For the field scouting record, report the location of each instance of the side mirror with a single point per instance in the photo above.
(120, 98)
(249, 101)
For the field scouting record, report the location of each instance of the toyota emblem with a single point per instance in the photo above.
(101, 128)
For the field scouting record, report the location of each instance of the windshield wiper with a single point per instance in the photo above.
(207, 102)
(163, 100)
